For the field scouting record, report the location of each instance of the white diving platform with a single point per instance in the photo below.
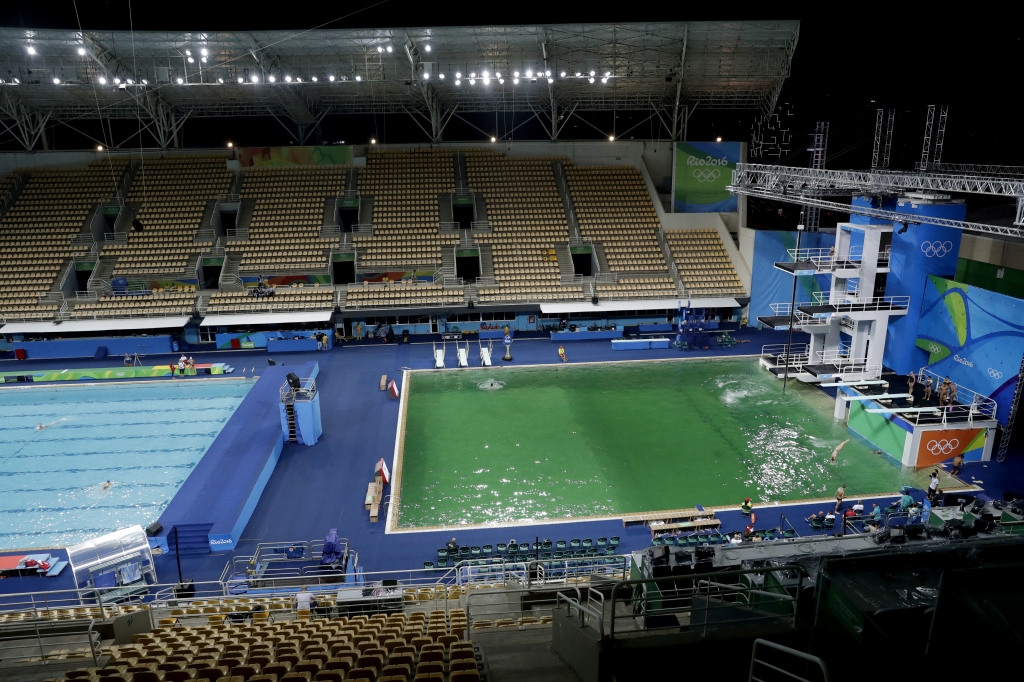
(883, 396)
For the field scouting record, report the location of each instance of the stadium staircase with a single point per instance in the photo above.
(563, 191)
(486, 262)
(192, 538)
(461, 176)
(330, 208)
(448, 262)
(602, 260)
(565, 267)
(246, 207)
(365, 210)
(229, 279)
(99, 280)
(123, 224)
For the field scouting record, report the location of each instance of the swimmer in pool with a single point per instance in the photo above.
(42, 426)
(835, 453)
(106, 486)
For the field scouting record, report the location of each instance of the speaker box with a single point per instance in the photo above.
(154, 529)
(594, 300)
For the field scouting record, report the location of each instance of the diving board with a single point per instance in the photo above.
(883, 396)
(870, 382)
(898, 410)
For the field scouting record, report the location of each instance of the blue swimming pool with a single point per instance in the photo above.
(145, 438)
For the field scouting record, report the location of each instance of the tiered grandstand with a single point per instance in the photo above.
(284, 234)
(405, 186)
(38, 231)
(284, 299)
(528, 221)
(159, 303)
(173, 194)
(704, 265)
(614, 209)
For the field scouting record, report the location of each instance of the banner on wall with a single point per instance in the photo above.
(973, 336)
(944, 445)
(701, 174)
(770, 285)
(295, 156)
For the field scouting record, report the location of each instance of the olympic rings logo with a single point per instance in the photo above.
(943, 447)
(706, 174)
(995, 373)
(932, 348)
(119, 374)
(936, 249)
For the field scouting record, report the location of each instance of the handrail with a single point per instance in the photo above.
(786, 650)
(583, 610)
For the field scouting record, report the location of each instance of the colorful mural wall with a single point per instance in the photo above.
(295, 156)
(701, 173)
(974, 336)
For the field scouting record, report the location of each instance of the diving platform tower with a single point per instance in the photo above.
(852, 307)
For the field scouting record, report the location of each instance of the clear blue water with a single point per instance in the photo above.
(145, 438)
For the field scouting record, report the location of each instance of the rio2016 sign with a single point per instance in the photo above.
(702, 172)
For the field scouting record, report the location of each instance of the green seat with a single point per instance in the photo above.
(602, 542)
(442, 563)
(560, 544)
(487, 550)
(463, 552)
(474, 551)
(613, 541)
(442, 554)
(574, 543)
(502, 548)
(428, 564)
(788, 533)
(702, 539)
(546, 545)
(658, 542)
(588, 543)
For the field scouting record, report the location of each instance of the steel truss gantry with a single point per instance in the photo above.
(665, 69)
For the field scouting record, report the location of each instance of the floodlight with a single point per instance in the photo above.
(359, 78)
(204, 52)
(458, 82)
(117, 81)
(426, 76)
(17, 81)
(562, 74)
(272, 79)
(591, 80)
(603, 80)
(718, 139)
(56, 81)
(611, 138)
(472, 81)
(578, 74)
(551, 80)
(191, 60)
(486, 75)
(129, 81)
(380, 49)
(389, 48)
(231, 144)
(180, 81)
(473, 75)
(529, 73)
(219, 80)
(103, 81)
(241, 80)
(441, 76)
(501, 81)
(81, 51)
(547, 73)
(255, 79)
(592, 74)
(607, 74)
(288, 79)
(99, 147)
(146, 82)
(458, 75)
(427, 48)
(515, 81)
(188, 53)
(497, 75)
(202, 59)
(31, 50)
(314, 79)
(516, 74)
(330, 78)
(494, 139)
(373, 140)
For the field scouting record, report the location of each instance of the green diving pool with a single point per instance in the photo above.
(505, 446)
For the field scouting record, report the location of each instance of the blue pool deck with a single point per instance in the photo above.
(315, 488)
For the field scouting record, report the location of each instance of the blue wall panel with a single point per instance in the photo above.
(86, 348)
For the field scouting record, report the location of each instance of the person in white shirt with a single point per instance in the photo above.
(858, 508)
(302, 599)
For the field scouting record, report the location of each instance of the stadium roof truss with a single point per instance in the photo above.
(432, 74)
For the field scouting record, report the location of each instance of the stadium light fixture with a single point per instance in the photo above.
(31, 50)
(99, 147)
(516, 74)
(487, 81)
(427, 48)
(272, 79)
(562, 74)
(591, 80)
(330, 78)
(130, 82)
(551, 80)
(458, 82)
(180, 81)
(288, 79)
(579, 75)
(219, 80)
(603, 80)
(515, 81)
(188, 53)
(501, 81)
(191, 60)
(486, 74)
(241, 80)
(426, 76)
(497, 75)
(373, 140)
(548, 74)
(56, 81)
(718, 139)
(81, 51)
(230, 145)
(17, 81)
(493, 139)
(202, 59)
(103, 81)
(472, 81)
(458, 75)
(255, 79)
(204, 52)
(314, 79)
(359, 78)
(298, 80)
(441, 76)
(473, 74)
(611, 138)
(529, 73)
(389, 48)
(380, 49)
(117, 81)
(592, 74)
(607, 74)
(146, 82)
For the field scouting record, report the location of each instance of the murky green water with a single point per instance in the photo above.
(501, 445)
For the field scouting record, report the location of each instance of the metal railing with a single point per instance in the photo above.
(481, 226)
(448, 227)
(229, 198)
(587, 616)
(305, 392)
(703, 601)
(115, 237)
(18, 649)
(808, 658)
(207, 234)
(348, 194)
(330, 232)
(260, 563)
(844, 305)
(362, 229)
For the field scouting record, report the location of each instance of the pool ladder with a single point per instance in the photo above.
(289, 410)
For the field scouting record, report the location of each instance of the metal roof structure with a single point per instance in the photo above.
(431, 73)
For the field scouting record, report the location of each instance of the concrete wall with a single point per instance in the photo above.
(994, 251)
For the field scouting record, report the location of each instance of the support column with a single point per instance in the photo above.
(859, 342)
